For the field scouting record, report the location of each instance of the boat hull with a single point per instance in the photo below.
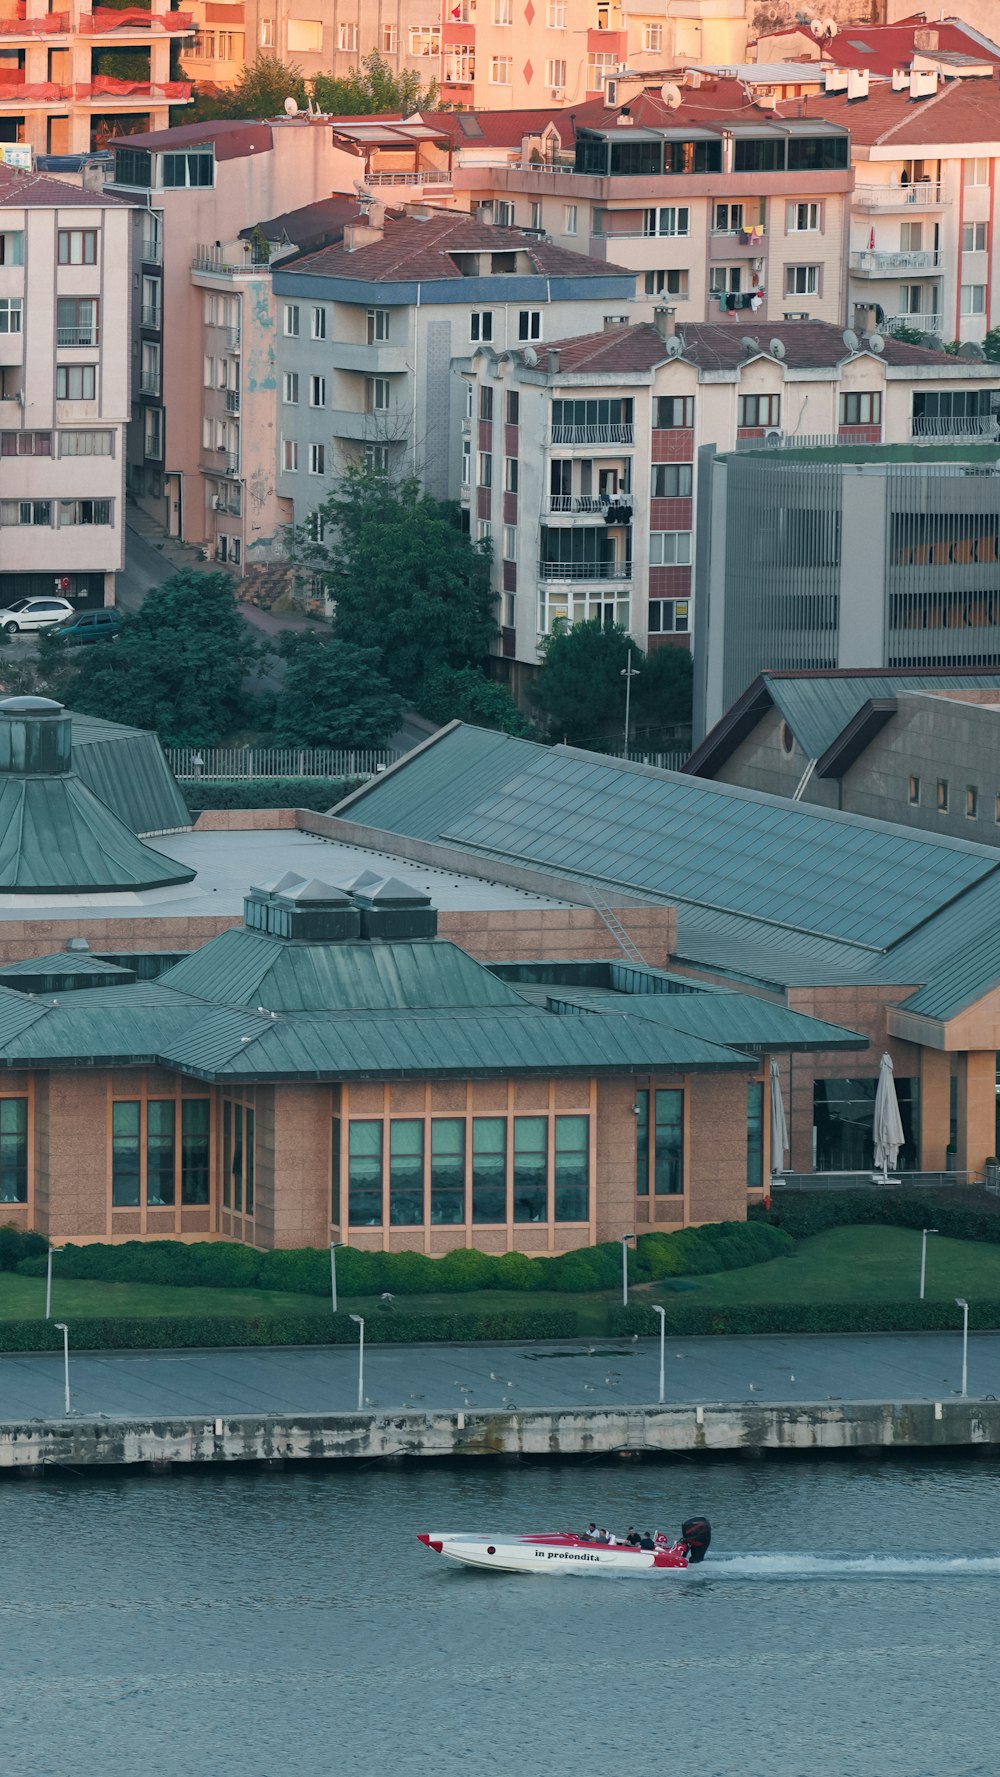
(551, 1554)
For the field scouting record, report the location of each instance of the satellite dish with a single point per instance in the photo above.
(291, 107)
(530, 355)
(776, 348)
(875, 342)
(830, 27)
(932, 343)
(674, 346)
(363, 191)
(750, 345)
(971, 348)
(851, 340)
(816, 27)
(671, 95)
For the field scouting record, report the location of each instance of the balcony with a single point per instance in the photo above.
(103, 91)
(924, 193)
(232, 400)
(151, 315)
(610, 434)
(210, 261)
(106, 19)
(871, 263)
(54, 24)
(149, 382)
(76, 336)
(922, 323)
(151, 251)
(964, 426)
(377, 358)
(614, 509)
(737, 243)
(584, 570)
(430, 176)
(230, 335)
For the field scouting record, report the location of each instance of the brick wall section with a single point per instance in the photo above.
(575, 933)
(614, 1186)
(717, 1147)
(254, 820)
(264, 1179)
(301, 1165)
(78, 1156)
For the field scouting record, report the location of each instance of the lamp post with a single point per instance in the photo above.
(334, 1244)
(628, 673)
(360, 1323)
(961, 1303)
(625, 1240)
(923, 1258)
(48, 1285)
(62, 1328)
(663, 1335)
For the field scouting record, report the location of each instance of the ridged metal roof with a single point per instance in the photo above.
(740, 1019)
(56, 836)
(126, 768)
(818, 709)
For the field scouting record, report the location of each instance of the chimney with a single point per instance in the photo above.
(927, 40)
(552, 361)
(864, 318)
(362, 234)
(857, 83)
(923, 83)
(665, 322)
(900, 79)
(835, 80)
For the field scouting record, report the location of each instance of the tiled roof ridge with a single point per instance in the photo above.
(42, 191)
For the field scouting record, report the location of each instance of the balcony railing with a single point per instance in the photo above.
(584, 570)
(922, 192)
(76, 336)
(149, 382)
(845, 438)
(431, 176)
(617, 509)
(232, 400)
(621, 434)
(886, 265)
(152, 315)
(231, 335)
(923, 323)
(54, 24)
(133, 18)
(210, 259)
(956, 426)
(152, 249)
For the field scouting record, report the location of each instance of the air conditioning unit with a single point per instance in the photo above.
(557, 92)
(774, 436)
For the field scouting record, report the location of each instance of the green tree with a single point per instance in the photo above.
(404, 577)
(371, 89)
(333, 695)
(260, 92)
(179, 664)
(581, 688)
(991, 345)
(465, 694)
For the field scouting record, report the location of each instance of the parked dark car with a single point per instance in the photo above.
(89, 626)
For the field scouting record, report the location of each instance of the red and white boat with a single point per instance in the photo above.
(562, 1552)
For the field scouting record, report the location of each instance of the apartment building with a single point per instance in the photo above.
(196, 282)
(373, 335)
(64, 388)
(719, 205)
(600, 521)
(60, 91)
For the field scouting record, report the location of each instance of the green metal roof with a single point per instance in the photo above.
(57, 837)
(421, 793)
(740, 1019)
(251, 968)
(127, 769)
(65, 971)
(818, 709)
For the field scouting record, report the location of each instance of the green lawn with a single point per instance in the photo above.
(862, 1264)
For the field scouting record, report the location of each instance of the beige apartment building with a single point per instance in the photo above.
(59, 91)
(64, 388)
(599, 521)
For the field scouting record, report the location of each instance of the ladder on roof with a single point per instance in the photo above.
(615, 927)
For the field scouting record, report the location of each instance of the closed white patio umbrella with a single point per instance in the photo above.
(887, 1127)
(779, 1127)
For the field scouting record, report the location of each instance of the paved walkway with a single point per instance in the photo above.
(894, 1367)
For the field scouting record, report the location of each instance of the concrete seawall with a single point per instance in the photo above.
(753, 1430)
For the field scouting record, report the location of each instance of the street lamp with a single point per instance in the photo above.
(961, 1303)
(334, 1244)
(62, 1328)
(360, 1323)
(923, 1258)
(663, 1334)
(628, 673)
(625, 1240)
(48, 1285)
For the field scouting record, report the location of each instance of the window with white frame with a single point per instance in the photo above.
(290, 455)
(267, 33)
(500, 70)
(802, 218)
(555, 15)
(727, 218)
(569, 218)
(377, 458)
(669, 549)
(481, 326)
(318, 323)
(973, 237)
(801, 280)
(503, 216)
(291, 320)
(317, 459)
(460, 65)
(76, 382)
(973, 299)
(555, 73)
(86, 444)
(315, 527)
(975, 172)
(486, 403)
(152, 435)
(671, 481)
(510, 542)
(725, 279)
(347, 36)
(503, 12)
(536, 215)
(228, 548)
(669, 617)
(379, 392)
(484, 531)
(666, 219)
(466, 462)
(485, 469)
(671, 282)
(390, 40)
(529, 324)
(10, 314)
(86, 512)
(470, 399)
(290, 388)
(317, 391)
(19, 512)
(652, 38)
(601, 66)
(425, 40)
(377, 326)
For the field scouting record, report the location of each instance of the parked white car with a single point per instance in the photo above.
(34, 614)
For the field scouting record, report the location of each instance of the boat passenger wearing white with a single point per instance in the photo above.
(612, 1540)
(590, 1534)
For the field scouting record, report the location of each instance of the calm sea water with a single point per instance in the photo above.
(288, 1623)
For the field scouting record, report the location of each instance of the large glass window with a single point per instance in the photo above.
(248, 1161)
(531, 1140)
(336, 1207)
(668, 1155)
(448, 1169)
(406, 1172)
(843, 1118)
(160, 1151)
(364, 1177)
(13, 1150)
(126, 1164)
(195, 1150)
(755, 1134)
(489, 1169)
(227, 1155)
(572, 1169)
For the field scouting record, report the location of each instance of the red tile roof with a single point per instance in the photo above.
(233, 138)
(809, 345)
(714, 99)
(413, 250)
(960, 111)
(881, 48)
(498, 129)
(37, 191)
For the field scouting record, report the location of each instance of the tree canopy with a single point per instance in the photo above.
(266, 83)
(580, 689)
(333, 695)
(260, 92)
(178, 666)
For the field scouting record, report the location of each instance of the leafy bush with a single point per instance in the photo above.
(465, 1269)
(804, 1214)
(16, 1247)
(317, 793)
(692, 1319)
(304, 1270)
(213, 1331)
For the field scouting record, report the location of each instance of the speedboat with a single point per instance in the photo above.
(563, 1552)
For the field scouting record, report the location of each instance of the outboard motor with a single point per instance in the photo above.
(696, 1534)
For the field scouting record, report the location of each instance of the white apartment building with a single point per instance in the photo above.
(588, 451)
(64, 388)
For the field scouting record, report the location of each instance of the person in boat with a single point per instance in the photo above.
(612, 1540)
(632, 1537)
(590, 1534)
(602, 1535)
(646, 1542)
(662, 1540)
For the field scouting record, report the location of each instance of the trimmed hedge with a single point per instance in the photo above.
(693, 1320)
(802, 1214)
(317, 793)
(165, 1332)
(306, 1270)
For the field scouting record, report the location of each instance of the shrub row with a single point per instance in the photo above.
(166, 1332)
(306, 1270)
(318, 793)
(802, 1214)
(15, 1246)
(692, 1319)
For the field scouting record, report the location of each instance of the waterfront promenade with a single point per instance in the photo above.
(500, 1379)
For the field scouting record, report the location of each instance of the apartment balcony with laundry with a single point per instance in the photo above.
(583, 489)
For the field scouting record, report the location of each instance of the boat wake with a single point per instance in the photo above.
(835, 1566)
